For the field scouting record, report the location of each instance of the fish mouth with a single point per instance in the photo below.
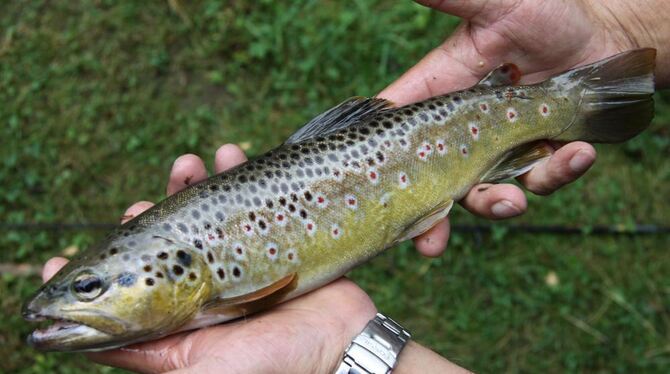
(67, 335)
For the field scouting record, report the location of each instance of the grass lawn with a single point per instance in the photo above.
(99, 97)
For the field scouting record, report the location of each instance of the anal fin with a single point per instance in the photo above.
(426, 222)
(517, 161)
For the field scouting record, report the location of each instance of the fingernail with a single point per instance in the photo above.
(580, 162)
(505, 209)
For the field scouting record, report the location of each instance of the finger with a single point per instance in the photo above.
(566, 164)
(186, 170)
(433, 242)
(495, 201)
(135, 210)
(52, 266)
(227, 156)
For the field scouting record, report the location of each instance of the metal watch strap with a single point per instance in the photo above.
(376, 349)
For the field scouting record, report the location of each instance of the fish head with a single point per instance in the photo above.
(113, 295)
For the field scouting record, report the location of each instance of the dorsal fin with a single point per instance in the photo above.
(338, 117)
(517, 161)
(506, 74)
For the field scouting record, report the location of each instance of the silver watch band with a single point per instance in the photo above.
(376, 349)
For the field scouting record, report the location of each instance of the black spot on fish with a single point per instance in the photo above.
(177, 270)
(147, 268)
(207, 226)
(213, 187)
(269, 203)
(162, 255)
(113, 251)
(219, 233)
(210, 257)
(192, 276)
(308, 196)
(126, 279)
(236, 272)
(149, 282)
(159, 274)
(432, 106)
(303, 213)
(197, 243)
(220, 273)
(387, 124)
(282, 201)
(184, 258)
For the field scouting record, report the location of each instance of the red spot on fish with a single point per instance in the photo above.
(320, 199)
(440, 147)
(427, 146)
(373, 175)
(272, 250)
(422, 154)
(310, 226)
(290, 256)
(280, 217)
(238, 250)
(545, 109)
(483, 107)
(474, 130)
(351, 202)
(210, 237)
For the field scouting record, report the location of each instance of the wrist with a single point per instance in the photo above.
(629, 25)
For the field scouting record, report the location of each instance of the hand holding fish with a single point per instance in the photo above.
(542, 38)
(289, 223)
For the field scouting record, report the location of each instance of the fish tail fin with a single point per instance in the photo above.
(616, 97)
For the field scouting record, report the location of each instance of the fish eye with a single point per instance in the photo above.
(87, 286)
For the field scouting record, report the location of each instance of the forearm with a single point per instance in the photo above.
(416, 358)
(643, 23)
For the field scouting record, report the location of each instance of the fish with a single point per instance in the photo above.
(354, 181)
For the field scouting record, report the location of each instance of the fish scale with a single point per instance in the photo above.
(352, 182)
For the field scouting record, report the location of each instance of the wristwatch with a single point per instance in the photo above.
(376, 349)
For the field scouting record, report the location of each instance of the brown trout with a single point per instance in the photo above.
(355, 180)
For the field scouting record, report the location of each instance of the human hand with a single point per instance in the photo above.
(305, 335)
(543, 38)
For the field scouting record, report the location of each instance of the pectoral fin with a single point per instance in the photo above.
(263, 293)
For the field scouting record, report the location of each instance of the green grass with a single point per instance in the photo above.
(99, 97)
